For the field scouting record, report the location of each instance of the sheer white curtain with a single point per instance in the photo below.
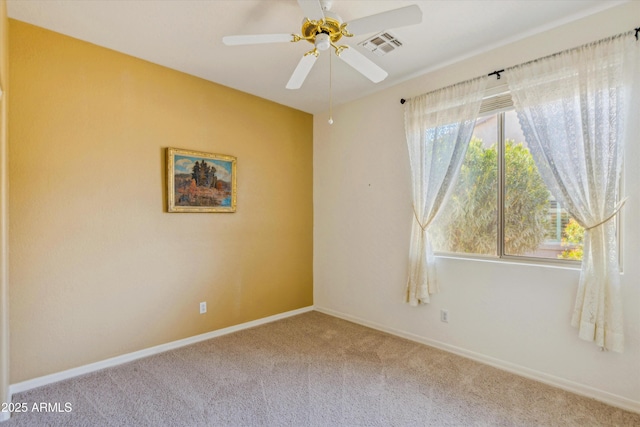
(573, 110)
(438, 126)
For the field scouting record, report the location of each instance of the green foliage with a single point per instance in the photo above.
(573, 240)
(469, 221)
(526, 202)
(468, 224)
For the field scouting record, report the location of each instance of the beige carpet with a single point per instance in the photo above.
(311, 370)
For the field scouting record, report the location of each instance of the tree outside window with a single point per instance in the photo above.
(534, 225)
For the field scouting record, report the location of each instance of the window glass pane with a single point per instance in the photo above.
(468, 222)
(535, 224)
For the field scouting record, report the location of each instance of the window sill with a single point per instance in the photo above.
(524, 261)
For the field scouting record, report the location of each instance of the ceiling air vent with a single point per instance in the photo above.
(382, 43)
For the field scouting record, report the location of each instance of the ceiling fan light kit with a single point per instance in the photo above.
(322, 41)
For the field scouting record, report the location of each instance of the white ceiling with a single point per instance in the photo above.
(186, 35)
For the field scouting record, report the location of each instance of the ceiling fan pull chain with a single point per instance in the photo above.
(330, 91)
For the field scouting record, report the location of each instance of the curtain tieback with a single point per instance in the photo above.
(417, 219)
(615, 212)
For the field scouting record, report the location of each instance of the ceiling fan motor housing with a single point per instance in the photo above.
(331, 25)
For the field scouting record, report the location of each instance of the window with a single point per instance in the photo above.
(500, 206)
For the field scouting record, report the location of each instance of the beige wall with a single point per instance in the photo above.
(97, 266)
(512, 315)
(4, 303)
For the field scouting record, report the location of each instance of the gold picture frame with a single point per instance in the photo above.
(200, 182)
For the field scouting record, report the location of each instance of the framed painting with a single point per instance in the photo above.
(200, 182)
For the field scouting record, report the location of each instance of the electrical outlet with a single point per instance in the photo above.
(203, 307)
(444, 316)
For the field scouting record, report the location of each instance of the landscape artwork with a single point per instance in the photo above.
(200, 182)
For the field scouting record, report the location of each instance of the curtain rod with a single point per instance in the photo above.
(497, 72)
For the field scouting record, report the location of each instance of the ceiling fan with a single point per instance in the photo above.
(323, 28)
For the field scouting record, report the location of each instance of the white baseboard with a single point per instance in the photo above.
(125, 358)
(573, 387)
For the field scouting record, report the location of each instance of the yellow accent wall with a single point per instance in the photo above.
(98, 268)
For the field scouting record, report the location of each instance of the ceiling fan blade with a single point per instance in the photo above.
(395, 18)
(257, 39)
(302, 70)
(362, 64)
(312, 9)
